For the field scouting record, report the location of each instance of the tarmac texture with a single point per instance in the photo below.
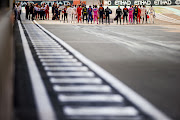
(144, 57)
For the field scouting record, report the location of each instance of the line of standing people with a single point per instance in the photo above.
(35, 11)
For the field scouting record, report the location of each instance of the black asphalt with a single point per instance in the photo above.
(146, 58)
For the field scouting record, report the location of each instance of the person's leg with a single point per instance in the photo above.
(108, 19)
(102, 18)
(120, 19)
(83, 18)
(117, 19)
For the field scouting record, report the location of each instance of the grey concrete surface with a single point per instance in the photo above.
(144, 57)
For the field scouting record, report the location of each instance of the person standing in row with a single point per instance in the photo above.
(42, 12)
(131, 10)
(27, 10)
(79, 9)
(65, 14)
(84, 12)
(125, 14)
(47, 11)
(74, 15)
(107, 10)
(151, 14)
(95, 10)
(135, 14)
(90, 14)
(119, 13)
(139, 15)
(144, 12)
(31, 12)
(69, 12)
(101, 12)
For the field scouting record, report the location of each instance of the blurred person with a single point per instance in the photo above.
(135, 14)
(42, 12)
(151, 12)
(143, 13)
(19, 11)
(47, 11)
(53, 8)
(119, 13)
(84, 12)
(56, 11)
(79, 9)
(15, 11)
(65, 14)
(74, 14)
(131, 10)
(35, 10)
(69, 12)
(32, 11)
(27, 10)
(107, 12)
(95, 11)
(125, 14)
(139, 15)
(62, 12)
(101, 12)
(90, 14)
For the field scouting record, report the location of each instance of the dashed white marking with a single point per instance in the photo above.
(59, 60)
(70, 74)
(91, 98)
(66, 69)
(77, 80)
(63, 53)
(61, 64)
(82, 88)
(56, 57)
(103, 111)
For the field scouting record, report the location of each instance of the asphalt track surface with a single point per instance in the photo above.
(144, 57)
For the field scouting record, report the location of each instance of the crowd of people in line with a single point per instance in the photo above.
(91, 14)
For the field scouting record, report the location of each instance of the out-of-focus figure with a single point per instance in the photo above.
(90, 14)
(131, 10)
(47, 11)
(143, 13)
(79, 9)
(125, 14)
(139, 15)
(101, 12)
(107, 12)
(95, 11)
(135, 14)
(69, 12)
(74, 14)
(84, 11)
(27, 10)
(119, 13)
(151, 12)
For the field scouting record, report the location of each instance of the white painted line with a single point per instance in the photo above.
(44, 107)
(66, 69)
(47, 51)
(56, 57)
(135, 98)
(65, 53)
(77, 80)
(61, 64)
(100, 111)
(54, 46)
(59, 60)
(82, 88)
(71, 74)
(59, 48)
(91, 98)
